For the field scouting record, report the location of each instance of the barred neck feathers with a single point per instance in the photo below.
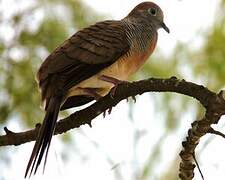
(139, 34)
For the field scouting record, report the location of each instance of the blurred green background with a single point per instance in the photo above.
(38, 28)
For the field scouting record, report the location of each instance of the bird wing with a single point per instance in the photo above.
(81, 56)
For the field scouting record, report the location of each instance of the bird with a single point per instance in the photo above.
(89, 64)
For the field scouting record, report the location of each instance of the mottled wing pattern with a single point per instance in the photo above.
(81, 56)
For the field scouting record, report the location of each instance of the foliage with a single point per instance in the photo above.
(38, 30)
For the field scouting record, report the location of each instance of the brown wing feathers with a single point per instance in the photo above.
(85, 53)
(98, 44)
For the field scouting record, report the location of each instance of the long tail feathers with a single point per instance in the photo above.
(44, 137)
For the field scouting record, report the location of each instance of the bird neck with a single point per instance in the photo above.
(140, 34)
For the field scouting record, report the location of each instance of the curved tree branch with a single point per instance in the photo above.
(214, 110)
(214, 104)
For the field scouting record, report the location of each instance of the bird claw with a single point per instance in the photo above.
(112, 93)
(133, 98)
(109, 112)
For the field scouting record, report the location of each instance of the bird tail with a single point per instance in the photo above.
(44, 137)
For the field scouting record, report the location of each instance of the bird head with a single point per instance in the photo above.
(150, 13)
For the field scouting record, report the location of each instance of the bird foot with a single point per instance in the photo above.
(93, 93)
(114, 81)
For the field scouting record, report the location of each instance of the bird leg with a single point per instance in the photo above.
(112, 80)
(116, 82)
(133, 98)
(93, 93)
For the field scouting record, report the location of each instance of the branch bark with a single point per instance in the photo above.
(214, 110)
(214, 104)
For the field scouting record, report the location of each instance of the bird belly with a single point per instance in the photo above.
(122, 69)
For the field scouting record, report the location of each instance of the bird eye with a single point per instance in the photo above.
(152, 11)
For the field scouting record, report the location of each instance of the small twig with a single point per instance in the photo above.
(213, 131)
(199, 169)
(7, 131)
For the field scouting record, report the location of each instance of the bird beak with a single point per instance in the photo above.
(165, 27)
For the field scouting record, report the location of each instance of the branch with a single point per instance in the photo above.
(214, 110)
(214, 104)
